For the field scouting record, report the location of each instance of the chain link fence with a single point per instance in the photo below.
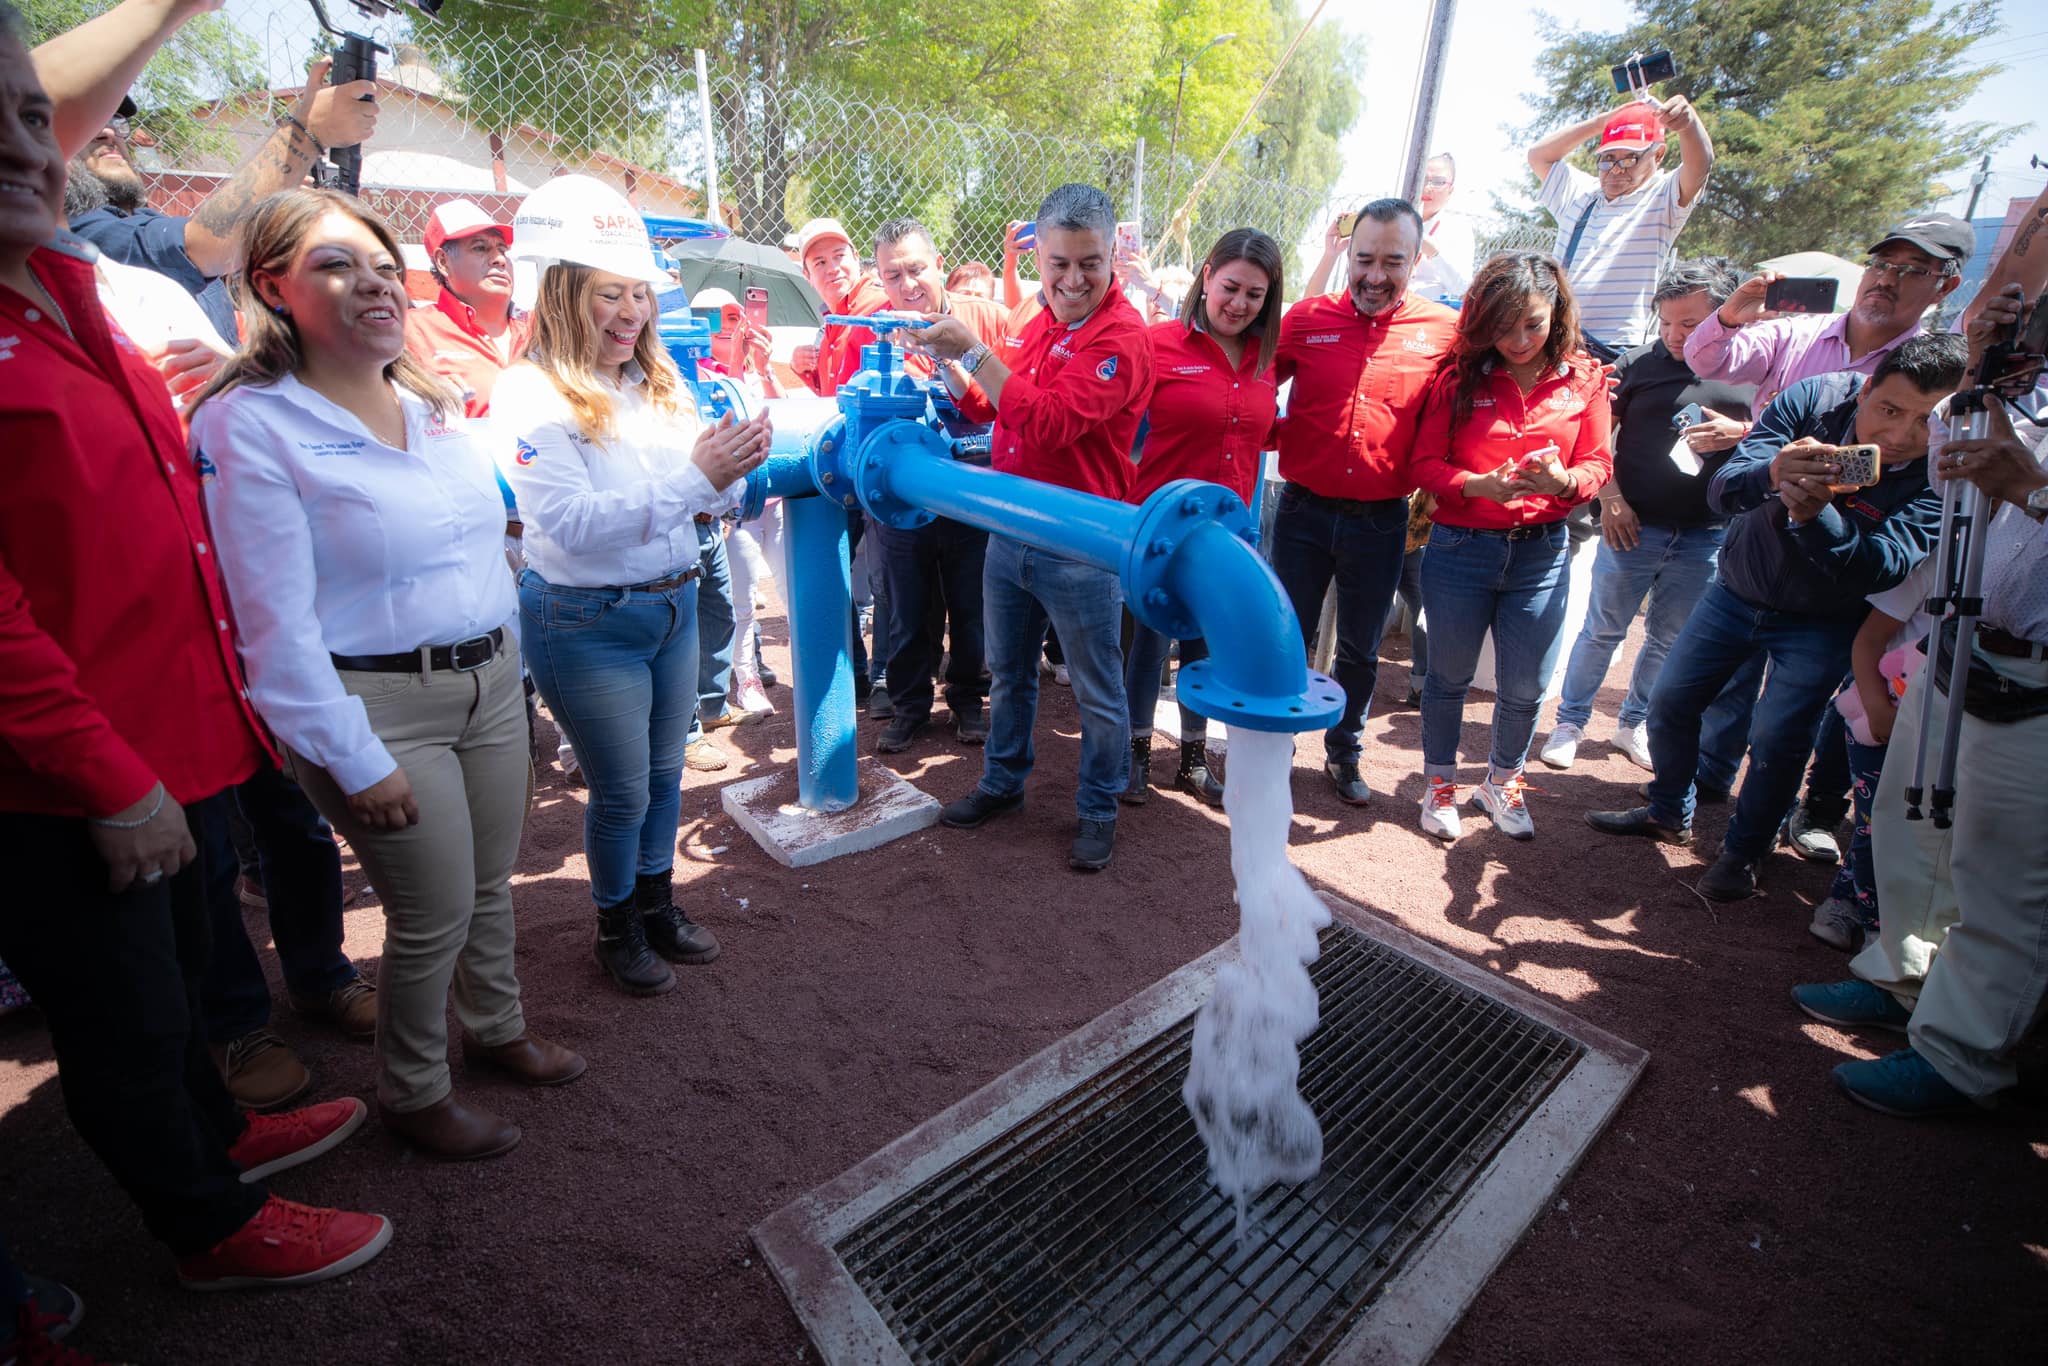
(471, 114)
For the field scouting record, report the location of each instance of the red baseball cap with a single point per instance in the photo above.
(1631, 130)
(459, 218)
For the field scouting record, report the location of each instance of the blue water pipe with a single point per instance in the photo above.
(888, 444)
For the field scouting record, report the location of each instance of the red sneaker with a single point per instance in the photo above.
(287, 1243)
(272, 1143)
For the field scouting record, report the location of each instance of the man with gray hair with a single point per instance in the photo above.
(1065, 394)
(1658, 537)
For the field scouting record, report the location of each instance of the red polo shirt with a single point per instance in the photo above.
(838, 355)
(1071, 405)
(447, 339)
(1358, 385)
(117, 659)
(1567, 408)
(1208, 419)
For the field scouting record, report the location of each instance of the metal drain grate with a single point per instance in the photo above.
(1090, 1233)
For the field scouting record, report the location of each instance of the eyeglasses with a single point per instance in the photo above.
(120, 125)
(1436, 182)
(1618, 161)
(1902, 269)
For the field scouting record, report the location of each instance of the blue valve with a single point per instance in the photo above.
(878, 323)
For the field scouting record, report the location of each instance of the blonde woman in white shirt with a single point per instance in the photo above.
(359, 529)
(601, 442)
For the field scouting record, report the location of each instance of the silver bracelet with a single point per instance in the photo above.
(154, 812)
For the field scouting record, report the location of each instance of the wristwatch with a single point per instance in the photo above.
(976, 355)
(2036, 505)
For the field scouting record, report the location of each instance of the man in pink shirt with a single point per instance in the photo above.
(1912, 267)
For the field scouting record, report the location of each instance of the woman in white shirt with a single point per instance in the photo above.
(610, 464)
(360, 531)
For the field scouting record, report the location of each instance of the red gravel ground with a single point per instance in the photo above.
(1738, 1209)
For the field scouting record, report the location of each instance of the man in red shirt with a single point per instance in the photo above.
(1360, 361)
(120, 731)
(833, 268)
(470, 333)
(1066, 400)
(932, 571)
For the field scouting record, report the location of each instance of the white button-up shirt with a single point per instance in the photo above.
(607, 513)
(332, 542)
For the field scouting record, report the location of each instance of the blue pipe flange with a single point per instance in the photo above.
(716, 396)
(1164, 521)
(829, 463)
(1315, 707)
(798, 426)
(889, 442)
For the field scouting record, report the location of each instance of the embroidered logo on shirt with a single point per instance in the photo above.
(1060, 350)
(526, 454)
(207, 470)
(1562, 400)
(1106, 369)
(1421, 346)
(7, 345)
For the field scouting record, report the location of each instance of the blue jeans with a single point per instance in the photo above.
(619, 671)
(1724, 732)
(1856, 880)
(1672, 567)
(1807, 657)
(1142, 664)
(1315, 543)
(301, 871)
(1473, 581)
(1410, 591)
(940, 563)
(1829, 781)
(714, 626)
(1023, 591)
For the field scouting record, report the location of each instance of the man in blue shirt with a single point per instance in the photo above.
(105, 197)
(1798, 561)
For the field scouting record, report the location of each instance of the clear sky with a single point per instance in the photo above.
(1492, 67)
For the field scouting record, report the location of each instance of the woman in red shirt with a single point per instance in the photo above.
(1211, 417)
(1513, 436)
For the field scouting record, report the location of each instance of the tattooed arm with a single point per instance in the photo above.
(2024, 262)
(339, 116)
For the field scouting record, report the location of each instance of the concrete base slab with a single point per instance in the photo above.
(888, 809)
(1166, 725)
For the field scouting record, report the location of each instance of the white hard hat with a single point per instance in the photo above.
(581, 219)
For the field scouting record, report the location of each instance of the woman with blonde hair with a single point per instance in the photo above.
(611, 465)
(359, 528)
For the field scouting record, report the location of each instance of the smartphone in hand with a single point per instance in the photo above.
(757, 307)
(1860, 466)
(1797, 294)
(1690, 415)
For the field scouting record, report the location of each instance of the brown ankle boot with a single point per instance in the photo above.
(452, 1131)
(529, 1058)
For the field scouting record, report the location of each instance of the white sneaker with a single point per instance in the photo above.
(1503, 802)
(1634, 743)
(752, 696)
(1563, 745)
(1836, 924)
(1440, 811)
(1059, 676)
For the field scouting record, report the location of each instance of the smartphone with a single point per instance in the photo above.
(1688, 416)
(1796, 294)
(1129, 240)
(1027, 237)
(1859, 467)
(757, 307)
(1347, 224)
(1643, 70)
(1536, 459)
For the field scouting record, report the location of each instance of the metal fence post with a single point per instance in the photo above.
(1138, 190)
(710, 142)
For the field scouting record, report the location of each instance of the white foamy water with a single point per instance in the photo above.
(1242, 1079)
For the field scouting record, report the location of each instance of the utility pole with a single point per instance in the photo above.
(1173, 140)
(1429, 82)
(1977, 186)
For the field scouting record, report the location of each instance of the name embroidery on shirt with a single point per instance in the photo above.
(1322, 338)
(1482, 403)
(1190, 369)
(526, 454)
(349, 447)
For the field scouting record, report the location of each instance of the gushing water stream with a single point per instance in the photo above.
(1242, 1078)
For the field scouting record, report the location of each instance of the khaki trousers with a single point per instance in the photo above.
(446, 883)
(1964, 911)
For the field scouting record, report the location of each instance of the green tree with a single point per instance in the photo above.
(207, 59)
(1828, 116)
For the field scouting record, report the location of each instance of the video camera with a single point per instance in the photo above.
(355, 59)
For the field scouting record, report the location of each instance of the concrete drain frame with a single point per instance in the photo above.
(1335, 1271)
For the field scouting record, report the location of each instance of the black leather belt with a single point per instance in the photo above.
(464, 656)
(676, 580)
(1991, 640)
(1347, 507)
(1516, 533)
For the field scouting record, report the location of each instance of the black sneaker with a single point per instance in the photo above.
(977, 807)
(1638, 821)
(880, 708)
(898, 734)
(971, 725)
(1731, 878)
(1351, 788)
(1093, 846)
